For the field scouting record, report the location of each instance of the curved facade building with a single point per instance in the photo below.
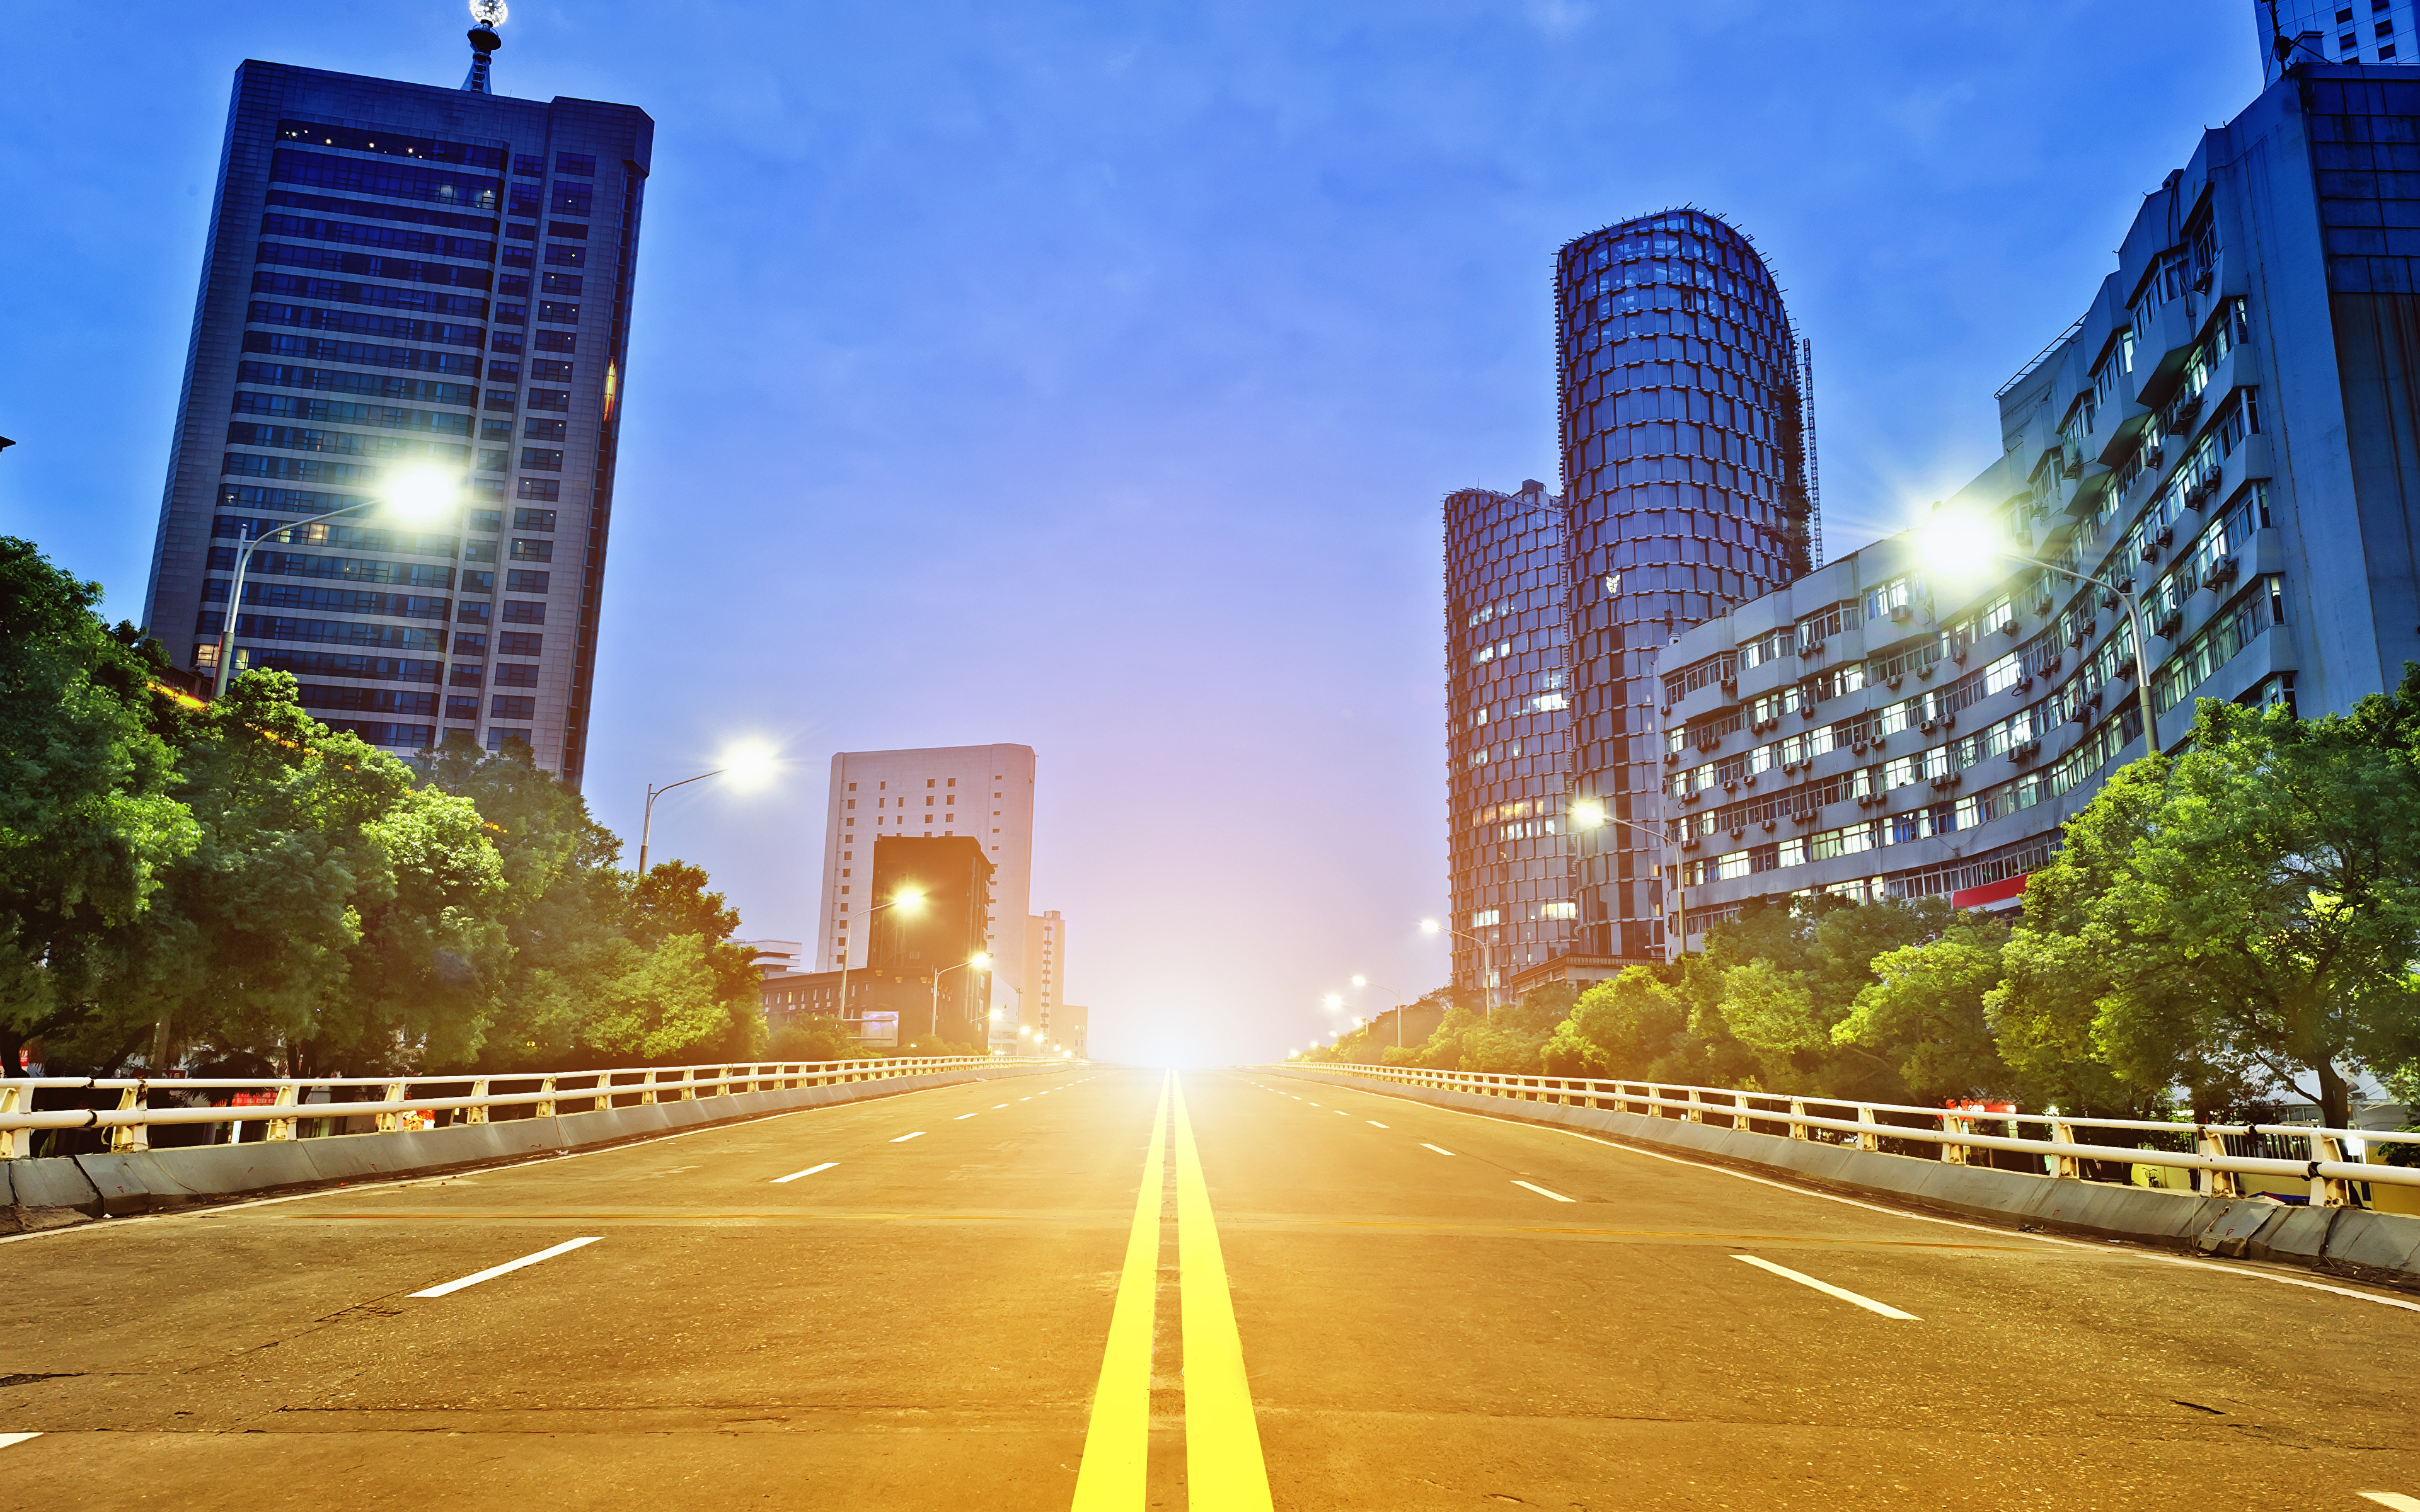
(1506, 700)
(1687, 489)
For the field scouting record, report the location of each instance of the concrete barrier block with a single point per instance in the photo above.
(2239, 1220)
(2301, 1235)
(2386, 1241)
(220, 1170)
(54, 1181)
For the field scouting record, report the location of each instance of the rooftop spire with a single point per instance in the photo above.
(486, 16)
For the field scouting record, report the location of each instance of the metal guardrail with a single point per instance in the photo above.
(2217, 1170)
(286, 1104)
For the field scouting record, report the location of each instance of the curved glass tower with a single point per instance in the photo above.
(1507, 697)
(1688, 491)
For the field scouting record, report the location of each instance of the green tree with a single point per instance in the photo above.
(1625, 1028)
(88, 817)
(1924, 1012)
(2251, 906)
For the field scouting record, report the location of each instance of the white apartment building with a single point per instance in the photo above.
(983, 791)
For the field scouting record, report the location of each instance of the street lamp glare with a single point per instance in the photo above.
(1430, 926)
(422, 493)
(1333, 1002)
(1588, 814)
(908, 898)
(1956, 545)
(749, 763)
(981, 961)
(1361, 982)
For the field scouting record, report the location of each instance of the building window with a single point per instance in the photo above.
(496, 737)
(521, 611)
(519, 643)
(548, 488)
(557, 341)
(519, 580)
(502, 706)
(578, 164)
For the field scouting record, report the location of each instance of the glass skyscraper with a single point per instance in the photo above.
(402, 276)
(1687, 480)
(1507, 697)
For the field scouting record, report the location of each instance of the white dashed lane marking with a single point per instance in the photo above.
(809, 1172)
(508, 1266)
(904, 1139)
(1425, 1145)
(1828, 1289)
(1541, 1190)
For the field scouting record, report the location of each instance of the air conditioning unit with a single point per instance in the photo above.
(2167, 536)
(2045, 603)
(1929, 725)
(1693, 796)
(1946, 781)
(2053, 664)
(1812, 648)
(1924, 674)
(1749, 781)
(2168, 627)
(1903, 613)
(2070, 464)
(2109, 599)
(1738, 831)
(2149, 551)
(1807, 816)
(1730, 679)
(1768, 826)
(2126, 668)
(1867, 800)
(2153, 459)
(1731, 785)
(1857, 749)
(2222, 571)
(1949, 721)
(1689, 844)
(2021, 685)
(1893, 683)
(2011, 627)
(1671, 758)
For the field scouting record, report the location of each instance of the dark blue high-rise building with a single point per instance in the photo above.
(401, 276)
(1688, 488)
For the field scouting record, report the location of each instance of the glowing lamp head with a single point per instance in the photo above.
(1959, 546)
(421, 494)
(1430, 926)
(1333, 1002)
(1588, 814)
(981, 961)
(490, 13)
(996, 1015)
(908, 900)
(1360, 1022)
(1361, 982)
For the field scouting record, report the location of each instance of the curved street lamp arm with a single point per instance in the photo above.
(2133, 623)
(647, 815)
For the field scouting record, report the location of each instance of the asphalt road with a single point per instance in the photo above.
(1101, 1290)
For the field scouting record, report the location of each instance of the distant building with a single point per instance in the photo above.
(402, 277)
(1075, 1029)
(2227, 432)
(1043, 988)
(885, 1008)
(982, 793)
(774, 957)
(940, 938)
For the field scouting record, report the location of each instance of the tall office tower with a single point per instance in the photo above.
(1043, 990)
(983, 791)
(2333, 31)
(402, 277)
(1685, 477)
(1508, 696)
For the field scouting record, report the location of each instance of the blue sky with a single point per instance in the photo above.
(1088, 376)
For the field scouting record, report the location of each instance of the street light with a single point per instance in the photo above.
(1487, 961)
(745, 763)
(981, 961)
(420, 494)
(908, 898)
(1961, 544)
(1589, 814)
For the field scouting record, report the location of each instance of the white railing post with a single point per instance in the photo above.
(603, 1088)
(391, 1121)
(284, 1128)
(2329, 1191)
(127, 1137)
(477, 1114)
(1864, 1139)
(2065, 1167)
(545, 1106)
(647, 1088)
(688, 1085)
(1740, 1111)
(1953, 1154)
(14, 1143)
(1797, 1111)
(1697, 1113)
(2208, 1181)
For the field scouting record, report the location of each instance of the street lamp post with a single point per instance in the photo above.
(981, 961)
(909, 899)
(414, 494)
(647, 815)
(1486, 961)
(1954, 538)
(1589, 814)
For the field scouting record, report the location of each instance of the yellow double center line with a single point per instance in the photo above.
(1223, 1467)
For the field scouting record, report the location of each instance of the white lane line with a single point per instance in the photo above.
(1374, 1123)
(1541, 1190)
(7, 1438)
(1342, 1114)
(809, 1172)
(1025, 1100)
(508, 1266)
(1426, 1145)
(2396, 1500)
(996, 1106)
(1828, 1289)
(904, 1139)
(962, 1118)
